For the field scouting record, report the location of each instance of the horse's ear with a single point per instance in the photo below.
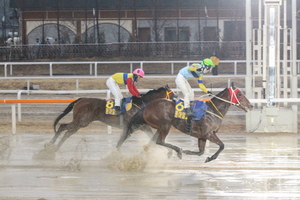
(232, 85)
(167, 86)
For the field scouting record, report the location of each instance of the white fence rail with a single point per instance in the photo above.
(94, 66)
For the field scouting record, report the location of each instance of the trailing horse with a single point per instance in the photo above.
(159, 114)
(87, 110)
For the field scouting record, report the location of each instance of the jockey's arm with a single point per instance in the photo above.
(131, 87)
(193, 67)
(201, 85)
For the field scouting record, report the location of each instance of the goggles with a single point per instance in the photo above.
(207, 67)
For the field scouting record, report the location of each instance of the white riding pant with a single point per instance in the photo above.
(115, 90)
(186, 90)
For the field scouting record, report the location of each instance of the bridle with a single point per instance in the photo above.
(169, 94)
(234, 100)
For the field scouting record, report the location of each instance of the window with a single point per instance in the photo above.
(171, 34)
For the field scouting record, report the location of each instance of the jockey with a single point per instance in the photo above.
(192, 71)
(125, 79)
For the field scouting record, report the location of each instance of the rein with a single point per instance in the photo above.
(136, 105)
(221, 115)
(232, 94)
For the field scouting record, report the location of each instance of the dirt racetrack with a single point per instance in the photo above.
(252, 165)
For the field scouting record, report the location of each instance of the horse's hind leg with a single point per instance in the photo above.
(201, 146)
(65, 137)
(71, 129)
(146, 129)
(61, 128)
(213, 138)
(161, 141)
(153, 140)
(130, 129)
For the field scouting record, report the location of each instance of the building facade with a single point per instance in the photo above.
(112, 21)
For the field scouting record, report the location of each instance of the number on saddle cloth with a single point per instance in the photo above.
(125, 106)
(199, 109)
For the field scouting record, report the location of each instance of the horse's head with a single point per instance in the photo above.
(170, 94)
(235, 96)
(238, 98)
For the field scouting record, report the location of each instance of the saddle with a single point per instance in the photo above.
(110, 108)
(199, 109)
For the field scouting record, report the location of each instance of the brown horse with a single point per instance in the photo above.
(87, 110)
(159, 114)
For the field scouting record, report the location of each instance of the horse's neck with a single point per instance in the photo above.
(151, 97)
(222, 106)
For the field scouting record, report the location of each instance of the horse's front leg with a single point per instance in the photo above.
(201, 146)
(214, 138)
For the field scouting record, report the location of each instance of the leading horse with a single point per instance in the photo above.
(159, 114)
(87, 110)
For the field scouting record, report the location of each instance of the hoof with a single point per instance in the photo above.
(47, 144)
(179, 154)
(170, 154)
(146, 148)
(208, 159)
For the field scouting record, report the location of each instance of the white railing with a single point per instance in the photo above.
(93, 66)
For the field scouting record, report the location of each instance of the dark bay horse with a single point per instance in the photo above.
(159, 114)
(87, 110)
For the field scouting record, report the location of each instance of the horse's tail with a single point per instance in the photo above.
(65, 112)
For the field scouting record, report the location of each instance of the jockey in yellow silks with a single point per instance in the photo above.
(192, 71)
(124, 79)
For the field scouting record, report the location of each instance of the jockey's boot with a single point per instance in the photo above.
(189, 113)
(118, 110)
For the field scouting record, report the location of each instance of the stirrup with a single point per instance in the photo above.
(118, 110)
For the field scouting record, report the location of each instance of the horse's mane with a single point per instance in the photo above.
(222, 92)
(134, 98)
(155, 91)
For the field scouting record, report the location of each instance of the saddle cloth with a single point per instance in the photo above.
(110, 108)
(199, 109)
